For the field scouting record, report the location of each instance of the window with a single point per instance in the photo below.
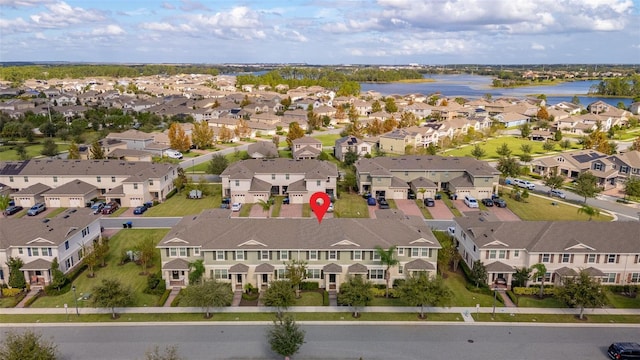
(635, 277)
(333, 255)
(357, 255)
(591, 258)
(624, 169)
(313, 254)
(284, 255)
(280, 273)
(20, 251)
(66, 245)
(55, 179)
(317, 182)
(273, 176)
(419, 252)
(597, 166)
(264, 254)
(609, 278)
(113, 179)
(10, 178)
(240, 255)
(98, 178)
(546, 258)
(502, 254)
(35, 251)
(135, 186)
(565, 258)
(220, 274)
(237, 182)
(196, 251)
(173, 252)
(286, 176)
(547, 277)
(611, 258)
(220, 255)
(80, 254)
(400, 251)
(376, 274)
(314, 274)
(492, 254)
(516, 253)
(183, 252)
(26, 179)
(375, 256)
(150, 181)
(67, 263)
(46, 252)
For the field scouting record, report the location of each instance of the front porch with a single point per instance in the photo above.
(37, 273)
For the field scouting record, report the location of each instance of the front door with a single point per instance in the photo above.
(175, 275)
(239, 279)
(332, 278)
(265, 278)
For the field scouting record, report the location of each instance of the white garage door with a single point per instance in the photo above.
(25, 203)
(75, 202)
(135, 202)
(54, 202)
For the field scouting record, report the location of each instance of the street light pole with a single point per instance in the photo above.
(75, 297)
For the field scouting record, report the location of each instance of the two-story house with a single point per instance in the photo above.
(306, 147)
(254, 251)
(353, 144)
(37, 242)
(609, 251)
(390, 176)
(251, 180)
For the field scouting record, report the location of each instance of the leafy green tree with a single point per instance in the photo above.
(28, 345)
(350, 157)
(504, 150)
(478, 152)
(21, 151)
(279, 294)
(265, 205)
(147, 252)
(479, 273)
(196, 270)
(422, 290)
(96, 152)
(582, 291)
(575, 100)
(58, 279)
(285, 337)
(111, 293)
(586, 185)
(16, 277)
(521, 276)
(356, 293)
(4, 203)
(590, 211)
(217, 164)
(388, 259)
(169, 353)
(557, 136)
(295, 132)
(508, 166)
(525, 157)
(565, 144)
(206, 295)
(296, 272)
(548, 145)
(631, 187)
(525, 130)
(74, 151)
(91, 260)
(49, 148)
(376, 107)
(390, 105)
(554, 181)
(539, 270)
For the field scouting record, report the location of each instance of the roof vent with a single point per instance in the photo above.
(46, 221)
(66, 216)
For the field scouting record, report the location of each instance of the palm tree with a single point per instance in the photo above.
(387, 257)
(265, 205)
(589, 211)
(422, 191)
(541, 271)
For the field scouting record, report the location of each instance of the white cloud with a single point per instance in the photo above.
(168, 5)
(109, 30)
(61, 15)
(21, 3)
(536, 46)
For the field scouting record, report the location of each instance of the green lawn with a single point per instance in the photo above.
(309, 298)
(306, 210)
(423, 209)
(557, 318)
(277, 205)
(463, 297)
(237, 156)
(55, 213)
(180, 205)
(128, 273)
(622, 302)
(245, 210)
(491, 145)
(392, 204)
(383, 301)
(351, 206)
(286, 154)
(327, 139)
(8, 152)
(538, 208)
(449, 203)
(534, 301)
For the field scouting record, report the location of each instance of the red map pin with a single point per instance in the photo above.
(319, 203)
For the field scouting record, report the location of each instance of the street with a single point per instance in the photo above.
(367, 342)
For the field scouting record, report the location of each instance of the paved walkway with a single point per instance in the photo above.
(237, 296)
(174, 292)
(33, 292)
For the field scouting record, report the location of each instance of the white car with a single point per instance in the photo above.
(236, 206)
(524, 184)
(174, 154)
(557, 193)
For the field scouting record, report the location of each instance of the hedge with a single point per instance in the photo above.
(11, 292)
(33, 299)
(309, 285)
(533, 290)
(325, 298)
(164, 297)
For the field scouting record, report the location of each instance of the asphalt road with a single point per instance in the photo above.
(367, 342)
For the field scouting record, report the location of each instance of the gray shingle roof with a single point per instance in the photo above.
(427, 162)
(418, 265)
(332, 268)
(246, 169)
(176, 264)
(88, 167)
(357, 268)
(77, 187)
(34, 189)
(18, 232)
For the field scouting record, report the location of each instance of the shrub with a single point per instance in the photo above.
(155, 284)
(533, 290)
(513, 297)
(164, 297)
(76, 272)
(398, 282)
(50, 290)
(309, 285)
(171, 193)
(10, 292)
(32, 299)
(176, 300)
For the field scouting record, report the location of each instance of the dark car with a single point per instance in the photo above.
(110, 208)
(97, 208)
(371, 201)
(139, 210)
(500, 203)
(383, 204)
(429, 202)
(12, 210)
(624, 350)
(487, 202)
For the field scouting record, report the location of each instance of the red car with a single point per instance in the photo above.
(110, 208)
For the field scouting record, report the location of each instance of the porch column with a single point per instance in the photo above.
(326, 282)
(234, 282)
(26, 277)
(338, 283)
(259, 281)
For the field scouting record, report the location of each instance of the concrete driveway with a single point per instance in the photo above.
(504, 214)
(440, 211)
(409, 207)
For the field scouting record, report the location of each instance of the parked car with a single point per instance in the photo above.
(383, 204)
(487, 202)
(174, 154)
(429, 202)
(624, 350)
(470, 201)
(371, 201)
(557, 193)
(12, 210)
(97, 207)
(411, 195)
(110, 208)
(139, 210)
(524, 184)
(36, 209)
(500, 203)
(236, 207)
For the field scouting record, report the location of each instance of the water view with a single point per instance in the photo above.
(476, 86)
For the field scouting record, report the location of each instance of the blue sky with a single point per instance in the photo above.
(322, 31)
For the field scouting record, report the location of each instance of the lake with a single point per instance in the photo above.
(476, 86)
